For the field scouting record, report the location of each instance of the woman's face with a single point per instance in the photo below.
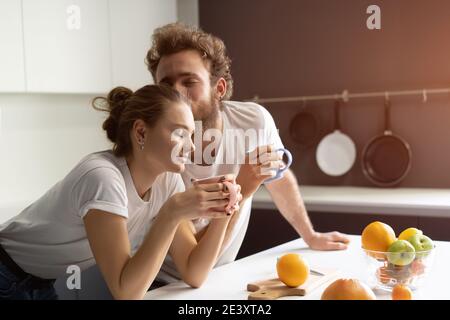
(169, 143)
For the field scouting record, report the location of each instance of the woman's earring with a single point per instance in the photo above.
(141, 144)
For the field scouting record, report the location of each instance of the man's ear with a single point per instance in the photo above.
(221, 88)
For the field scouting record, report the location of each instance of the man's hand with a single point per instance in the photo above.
(260, 164)
(327, 241)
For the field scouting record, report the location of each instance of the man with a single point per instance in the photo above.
(195, 63)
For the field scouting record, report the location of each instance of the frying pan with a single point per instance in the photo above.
(386, 159)
(336, 152)
(304, 127)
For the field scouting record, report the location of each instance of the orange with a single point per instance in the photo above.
(401, 292)
(292, 270)
(417, 267)
(377, 236)
(348, 289)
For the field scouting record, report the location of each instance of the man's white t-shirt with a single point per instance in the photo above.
(238, 118)
(49, 235)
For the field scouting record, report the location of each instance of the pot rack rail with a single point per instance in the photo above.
(346, 96)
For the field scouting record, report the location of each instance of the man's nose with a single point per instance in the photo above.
(180, 88)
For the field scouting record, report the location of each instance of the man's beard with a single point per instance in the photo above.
(208, 113)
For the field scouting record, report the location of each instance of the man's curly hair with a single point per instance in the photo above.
(176, 37)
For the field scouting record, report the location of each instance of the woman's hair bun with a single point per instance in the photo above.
(114, 104)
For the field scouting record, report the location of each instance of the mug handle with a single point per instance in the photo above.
(289, 162)
(281, 170)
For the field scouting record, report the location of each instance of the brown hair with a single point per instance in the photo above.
(176, 37)
(125, 107)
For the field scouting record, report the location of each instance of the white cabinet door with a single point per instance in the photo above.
(132, 25)
(67, 47)
(12, 73)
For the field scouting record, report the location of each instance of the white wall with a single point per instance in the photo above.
(188, 11)
(41, 138)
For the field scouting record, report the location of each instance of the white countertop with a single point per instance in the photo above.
(229, 282)
(397, 201)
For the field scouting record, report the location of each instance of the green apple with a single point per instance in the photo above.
(401, 253)
(422, 244)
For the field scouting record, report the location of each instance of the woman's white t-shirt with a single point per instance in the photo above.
(49, 235)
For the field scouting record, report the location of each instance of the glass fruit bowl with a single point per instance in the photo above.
(386, 269)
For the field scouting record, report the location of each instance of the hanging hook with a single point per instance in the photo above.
(345, 97)
(303, 103)
(424, 96)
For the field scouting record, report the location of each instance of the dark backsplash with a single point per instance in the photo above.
(296, 47)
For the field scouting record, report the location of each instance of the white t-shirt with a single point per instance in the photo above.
(241, 116)
(49, 235)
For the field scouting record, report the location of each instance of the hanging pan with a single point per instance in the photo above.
(336, 152)
(386, 159)
(304, 128)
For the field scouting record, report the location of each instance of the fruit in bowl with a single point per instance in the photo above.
(408, 233)
(401, 253)
(406, 260)
(377, 236)
(422, 244)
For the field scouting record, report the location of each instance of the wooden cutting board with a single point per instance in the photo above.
(273, 288)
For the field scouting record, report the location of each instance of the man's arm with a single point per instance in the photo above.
(285, 192)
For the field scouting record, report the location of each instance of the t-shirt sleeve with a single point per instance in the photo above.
(102, 189)
(176, 185)
(270, 130)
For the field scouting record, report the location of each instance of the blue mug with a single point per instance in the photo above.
(280, 171)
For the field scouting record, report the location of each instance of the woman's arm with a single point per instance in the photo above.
(128, 277)
(194, 260)
(195, 257)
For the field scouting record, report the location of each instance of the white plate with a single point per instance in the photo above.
(336, 154)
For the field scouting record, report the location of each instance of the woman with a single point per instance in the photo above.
(122, 209)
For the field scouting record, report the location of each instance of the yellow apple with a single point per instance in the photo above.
(408, 233)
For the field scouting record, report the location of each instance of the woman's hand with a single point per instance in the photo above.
(202, 201)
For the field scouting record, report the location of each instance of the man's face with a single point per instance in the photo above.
(187, 73)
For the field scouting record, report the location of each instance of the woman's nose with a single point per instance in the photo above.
(192, 145)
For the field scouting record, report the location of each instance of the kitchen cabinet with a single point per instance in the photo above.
(78, 46)
(67, 46)
(12, 74)
(132, 24)
(435, 228)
